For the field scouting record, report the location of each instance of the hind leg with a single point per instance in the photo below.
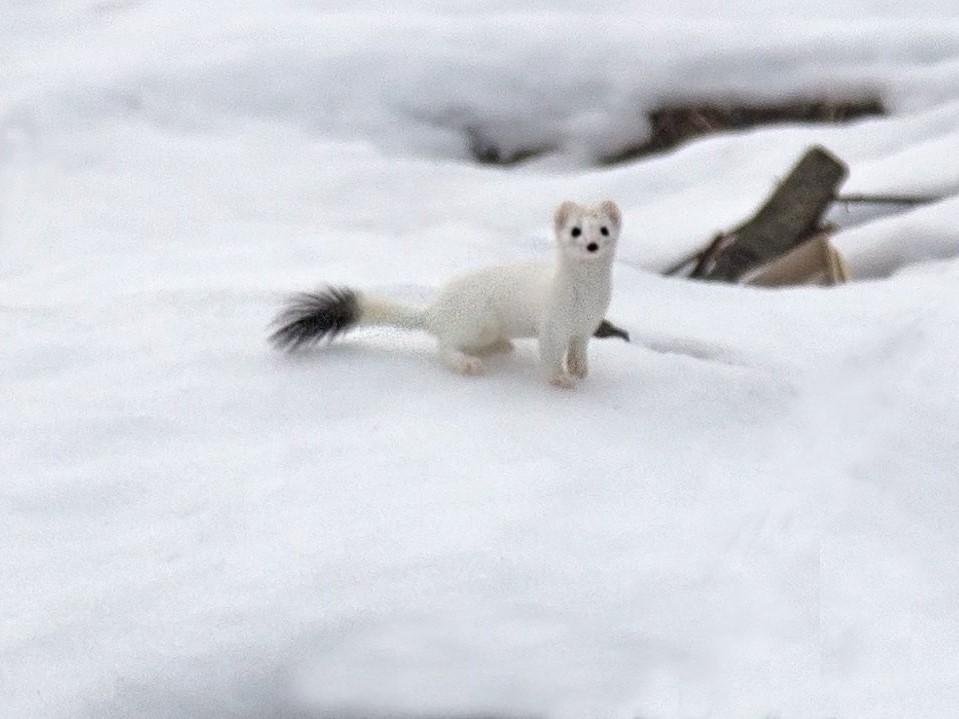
(464, 337)
(461, 362)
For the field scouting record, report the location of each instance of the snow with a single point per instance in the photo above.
(748, 511)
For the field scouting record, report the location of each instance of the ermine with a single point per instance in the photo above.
(561, 304)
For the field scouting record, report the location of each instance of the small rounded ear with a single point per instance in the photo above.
(611, 210)
(562, 215)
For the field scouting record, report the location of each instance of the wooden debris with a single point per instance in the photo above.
(791, 214)
(608, 329)
(814, 262)
(888, 199)
(671, 125)
(785, 242)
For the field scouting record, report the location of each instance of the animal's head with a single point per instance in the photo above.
(586, 233)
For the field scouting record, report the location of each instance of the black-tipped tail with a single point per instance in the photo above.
(313, 316)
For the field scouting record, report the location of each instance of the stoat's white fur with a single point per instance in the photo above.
(479, 313)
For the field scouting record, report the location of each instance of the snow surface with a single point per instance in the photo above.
(752, 510)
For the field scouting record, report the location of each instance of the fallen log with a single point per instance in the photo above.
(791, 214)
(788, 218)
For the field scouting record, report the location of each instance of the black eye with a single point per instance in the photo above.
(576, 232)
(603, 231)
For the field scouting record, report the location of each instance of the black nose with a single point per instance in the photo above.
(592, 247)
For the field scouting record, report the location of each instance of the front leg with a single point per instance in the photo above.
(552, 348)
(576, 357)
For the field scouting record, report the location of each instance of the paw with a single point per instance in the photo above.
(470, 366)
(563, 381)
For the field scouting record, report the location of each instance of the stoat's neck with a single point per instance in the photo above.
(586, 273)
